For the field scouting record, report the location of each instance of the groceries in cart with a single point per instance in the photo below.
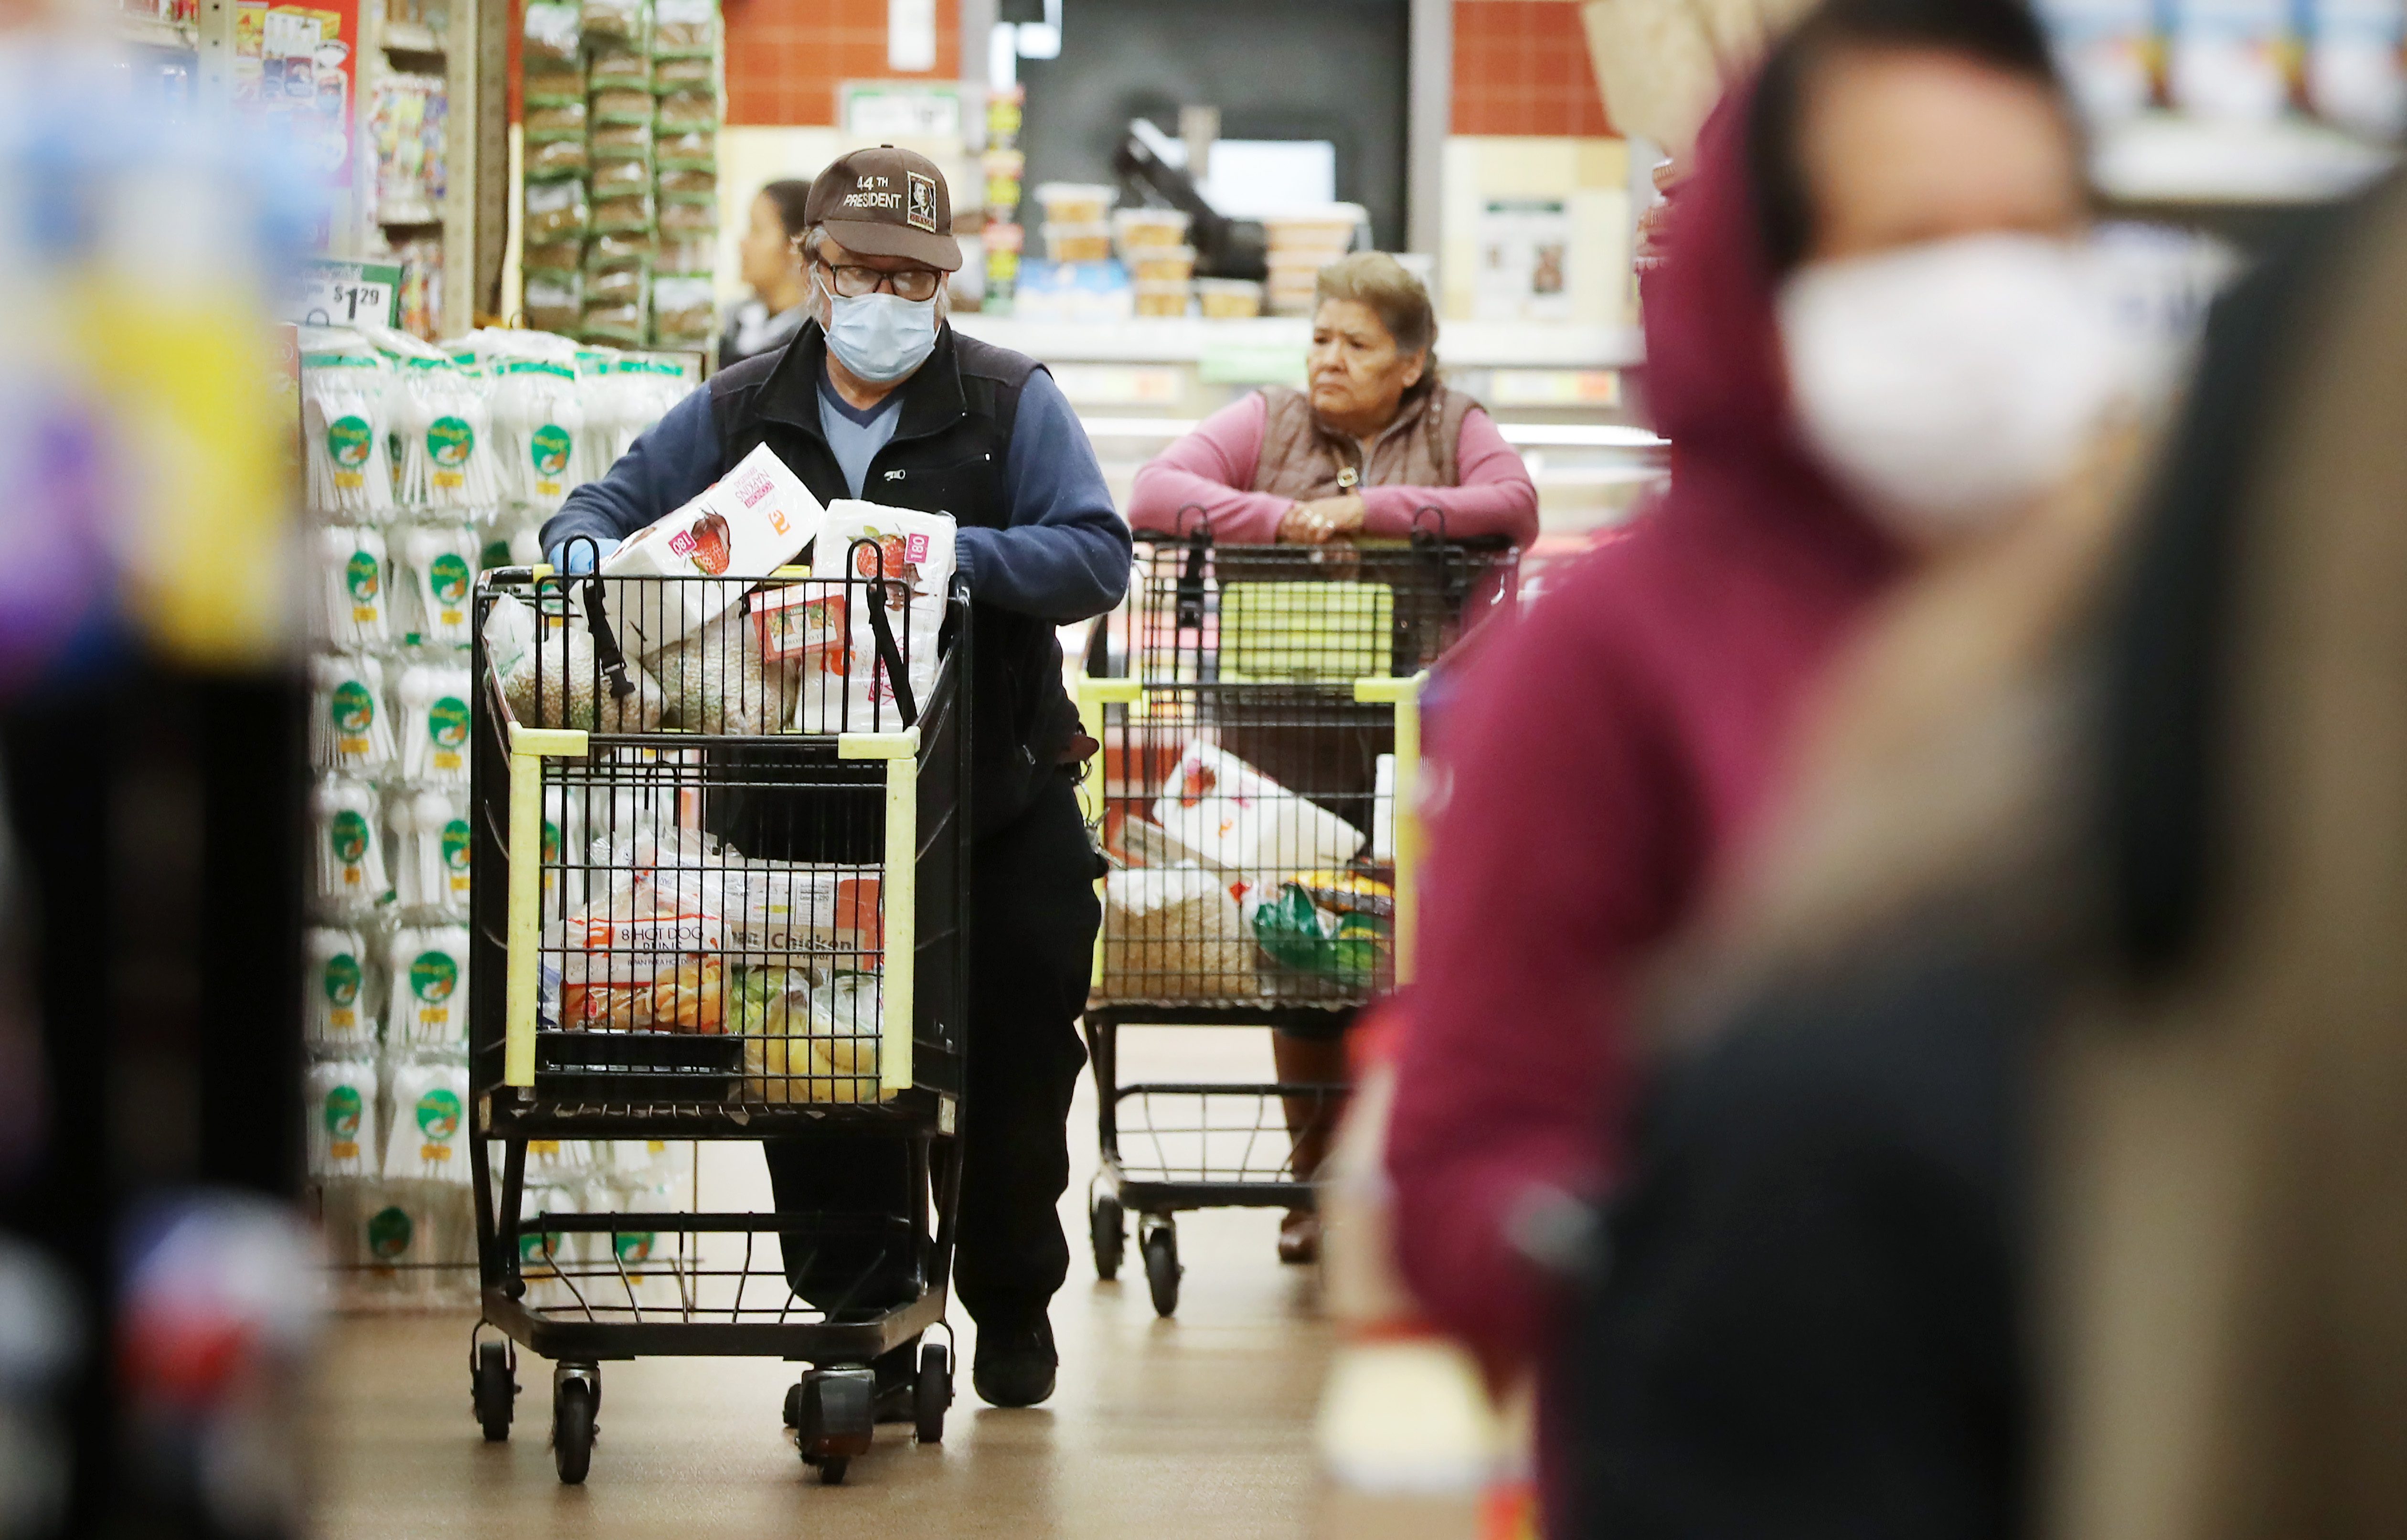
(749, 523)
(851, 687)
(1240, 886)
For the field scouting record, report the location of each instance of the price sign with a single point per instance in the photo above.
(344, 294)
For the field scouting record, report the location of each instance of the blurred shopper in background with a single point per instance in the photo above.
(772, 267)
(1376, 447)
(1870, 343)
(2226, 1133)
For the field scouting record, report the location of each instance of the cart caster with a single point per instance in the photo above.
(932, 1393)
(1107, 1223)
(835, 1418)
(1160, 1244)
(575, 1397)
(492, 1390)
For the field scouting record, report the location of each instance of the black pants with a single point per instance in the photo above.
(1032, 919)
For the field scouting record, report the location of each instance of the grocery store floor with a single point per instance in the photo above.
(1193, 1427)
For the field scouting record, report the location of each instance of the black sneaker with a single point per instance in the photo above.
(1015, 1363)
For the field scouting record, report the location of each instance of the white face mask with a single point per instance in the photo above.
(1949, 384)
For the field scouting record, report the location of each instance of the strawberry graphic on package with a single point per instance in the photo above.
(754, 520)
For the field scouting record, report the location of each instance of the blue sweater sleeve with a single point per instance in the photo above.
(670, 465)
(1065, 553)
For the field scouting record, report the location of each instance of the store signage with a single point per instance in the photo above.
(1120, 384)
(1251, 362)
(1554, 388)
(296, 77)
(343, 294)
(894, 109)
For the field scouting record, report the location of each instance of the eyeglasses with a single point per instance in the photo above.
(911, 283)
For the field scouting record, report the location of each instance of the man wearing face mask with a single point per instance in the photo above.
(878, 397)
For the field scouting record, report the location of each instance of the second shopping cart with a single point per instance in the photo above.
(1259, 713)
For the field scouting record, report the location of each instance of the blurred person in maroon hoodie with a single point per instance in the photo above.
(1855, 345)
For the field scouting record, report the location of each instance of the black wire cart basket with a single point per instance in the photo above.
(720, 865)
(1259, 712)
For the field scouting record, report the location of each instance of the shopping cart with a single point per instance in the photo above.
(720, 897)
(1259, 712)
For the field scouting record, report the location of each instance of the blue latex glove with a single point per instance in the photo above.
(577, 555)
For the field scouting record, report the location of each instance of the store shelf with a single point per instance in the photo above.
(2166, 158)
(155, 32)
(1548, 435)
(1464, 344)
(411, 37)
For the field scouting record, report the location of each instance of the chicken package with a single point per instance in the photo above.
(342, 1118)
(349, 861)
(430, 832)
(1229, 816)
(558, 682)
(806, 1042)
(742, 528)
(437, 567)
(337, 980)
(426, 1143)
(782, 914)
(851, 690)
(1174, 933)
(644, 956)
(347, 729)
(352, 564)
(429, 969)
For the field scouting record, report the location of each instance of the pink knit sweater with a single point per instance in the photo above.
(1212, 467)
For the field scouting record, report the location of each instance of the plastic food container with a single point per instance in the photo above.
(1161, 263)
(1146, 229)
(1160, 299)
(1090, 241)
(1077, 203)
(1329, 228)
(1229, 299)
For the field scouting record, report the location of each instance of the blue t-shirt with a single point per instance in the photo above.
(857, 433)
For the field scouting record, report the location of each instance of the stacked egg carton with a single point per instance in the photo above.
(1301, 244)
(1153, 248)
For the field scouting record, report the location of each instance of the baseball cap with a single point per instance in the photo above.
(887, 203)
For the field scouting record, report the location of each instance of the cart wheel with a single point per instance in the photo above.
(1159, 1245)
(493, 1390)
(794, 1404)
(573, 1403)
(932, 1393)
(835, 1418)
(1108, 1224)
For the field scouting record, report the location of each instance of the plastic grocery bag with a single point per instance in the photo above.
(1231, 816)
(808, 1044)
(718, 680)
(851, 691)
(645, 955)
(347, 730)
(349, 851)
(1173, 932)
(1331, 928)
(429, 970)
(336, 1012)
(559, 681)
(427, 1142)
(434, 726)
(342, 1118)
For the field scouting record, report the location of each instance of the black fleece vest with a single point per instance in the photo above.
(946, 456)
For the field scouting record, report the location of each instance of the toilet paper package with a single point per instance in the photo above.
(428, 966)
(433, 702)
(342, 1103)
(751, 521)
(437, 568)
(337, 999)
(429, 832)
(427, 1141)
(845, 688)
(349, 851)
(348, 726)
(352, 564)
(1232, 817)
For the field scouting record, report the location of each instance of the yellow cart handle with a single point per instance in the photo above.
(1405, 694)
(897, 895)
(529, 747)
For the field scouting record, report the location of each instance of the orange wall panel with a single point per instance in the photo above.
(785, 58)
(1522, 66)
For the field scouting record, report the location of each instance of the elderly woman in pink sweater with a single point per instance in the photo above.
(1375, 442)
(1376, 449)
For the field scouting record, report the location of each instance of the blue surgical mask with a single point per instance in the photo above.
(881, 337)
